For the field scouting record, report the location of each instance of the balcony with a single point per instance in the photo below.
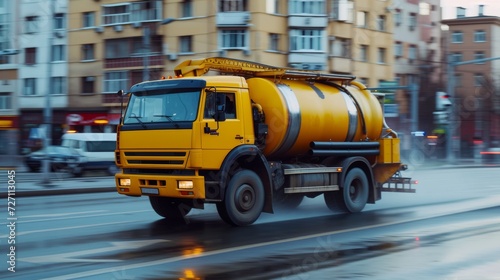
(308, 21)
(340, 64)
(233, 19)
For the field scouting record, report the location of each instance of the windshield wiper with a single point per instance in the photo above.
(169, 118)
(139, 120)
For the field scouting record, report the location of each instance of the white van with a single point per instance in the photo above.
(97, 149)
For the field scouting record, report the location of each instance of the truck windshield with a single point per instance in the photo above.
(162, 107)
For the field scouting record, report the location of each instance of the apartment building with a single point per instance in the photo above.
(477, 85)
(9, 112)
(43, 68)
(81, 52)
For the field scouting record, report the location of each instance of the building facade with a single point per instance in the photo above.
(9, 111)
(476, 94)
(81, 52)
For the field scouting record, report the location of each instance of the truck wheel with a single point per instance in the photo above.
(169, 208)
(352, 197)
(244, 199)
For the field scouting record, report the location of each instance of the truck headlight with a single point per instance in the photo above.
(185, 184)
(124, 182)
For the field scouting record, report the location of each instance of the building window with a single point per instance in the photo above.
(478, 80)
(58, 53)
(398, 17)
(88, 19)
(232, 5)
(59, 22)
(88, 52)
(316, 7)
(398, 49)
(382, 52)
(186, 44)
(145, 10)
(29, 86)
(381, 23)
(234, 39)
(363, 53)
(479, 55)
(5, 101)
(88, 84)
(31, 24)
(306, 40)
(362, 19)
(30, 56)
(116, 14)
(479, 36)
(187, 8)
(412, 53)
(425, 9)
(114, 81)
(274, 40)
(457, 37)
(272, 6)
(58, 85)
(456, 57)
(342, 10)
(412, 21)
(341, 47)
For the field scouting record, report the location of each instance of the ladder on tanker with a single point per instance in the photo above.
(199, 67)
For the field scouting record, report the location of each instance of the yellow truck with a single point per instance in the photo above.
(250, 137)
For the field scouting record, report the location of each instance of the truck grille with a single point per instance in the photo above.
(159, 159)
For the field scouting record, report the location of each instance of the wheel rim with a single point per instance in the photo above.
(245, 198)
(354, 189)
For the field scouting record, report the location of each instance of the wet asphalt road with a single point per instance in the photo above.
(449, 229)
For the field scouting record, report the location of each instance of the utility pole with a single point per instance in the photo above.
(146, 39)
(47, 112)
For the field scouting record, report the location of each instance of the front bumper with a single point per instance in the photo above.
(165, 186)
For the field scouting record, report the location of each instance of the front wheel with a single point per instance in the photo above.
(353, 195)
(243, 200)
(169, 208)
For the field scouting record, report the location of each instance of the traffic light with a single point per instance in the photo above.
(442, 101)
(441, 117)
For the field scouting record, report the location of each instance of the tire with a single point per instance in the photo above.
(168, 208)
(243, 199)
(352, 196)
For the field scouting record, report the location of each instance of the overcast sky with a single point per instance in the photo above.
(491, 7)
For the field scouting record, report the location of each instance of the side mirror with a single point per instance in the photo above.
(220, 116)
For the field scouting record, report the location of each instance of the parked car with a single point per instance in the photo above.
(60, 158)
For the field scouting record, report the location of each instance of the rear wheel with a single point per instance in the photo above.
(243, 199)
(353, 195)
(169, 208)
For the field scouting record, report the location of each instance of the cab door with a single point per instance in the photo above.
(219, 137)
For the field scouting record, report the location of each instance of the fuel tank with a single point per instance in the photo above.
(298, 112)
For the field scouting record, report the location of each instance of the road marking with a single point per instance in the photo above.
(73, 227)
(63, 214)
(479, 204)
(70, 257)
